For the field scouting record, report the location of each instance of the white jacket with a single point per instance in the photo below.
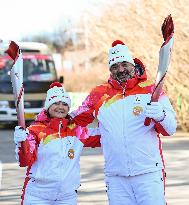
(130, 148)
(53, 154)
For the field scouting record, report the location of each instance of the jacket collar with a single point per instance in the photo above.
(58, 124)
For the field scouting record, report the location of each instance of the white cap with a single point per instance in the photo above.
(118, 53)
(56, 93)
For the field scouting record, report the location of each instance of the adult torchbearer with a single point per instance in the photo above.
(164, 59)
(17, 83)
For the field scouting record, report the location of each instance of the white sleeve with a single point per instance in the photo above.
(169, 123)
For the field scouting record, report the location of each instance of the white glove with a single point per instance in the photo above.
(154, 110)
(20, 134)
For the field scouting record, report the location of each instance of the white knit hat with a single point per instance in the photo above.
(56, 93)
(119, 53)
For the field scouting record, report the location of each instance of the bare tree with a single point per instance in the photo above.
(59, 39)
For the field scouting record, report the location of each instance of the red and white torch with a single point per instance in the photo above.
(17, 83)
(164, 59)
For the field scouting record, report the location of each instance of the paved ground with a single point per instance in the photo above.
(92, 191)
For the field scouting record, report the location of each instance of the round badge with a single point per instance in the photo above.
(137, 110)
(71, 153)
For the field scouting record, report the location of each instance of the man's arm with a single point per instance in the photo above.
(92, 141)
(163, 115)
(89, 135)
(87, 112)
(94, 136)
(168, 125)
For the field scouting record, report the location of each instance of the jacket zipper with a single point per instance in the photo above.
(126, 146)
(123, 92)
(59, 127)
(61, 148)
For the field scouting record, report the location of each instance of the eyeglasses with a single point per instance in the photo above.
(123, 64)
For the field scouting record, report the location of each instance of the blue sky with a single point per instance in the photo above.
(25, 17)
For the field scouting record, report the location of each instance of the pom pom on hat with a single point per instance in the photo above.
(119, 52)
(117, 42)
(57, 84)
(56, 93)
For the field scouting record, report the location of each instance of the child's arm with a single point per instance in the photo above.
(25, 159)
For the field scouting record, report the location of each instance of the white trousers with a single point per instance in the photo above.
(34, 200)
(144, 189)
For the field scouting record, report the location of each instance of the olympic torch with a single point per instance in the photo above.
(17, 83)
(164, 59)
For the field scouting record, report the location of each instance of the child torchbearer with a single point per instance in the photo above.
(54, 144)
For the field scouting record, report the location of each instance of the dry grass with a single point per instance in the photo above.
(138, 25)
(82, 80)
